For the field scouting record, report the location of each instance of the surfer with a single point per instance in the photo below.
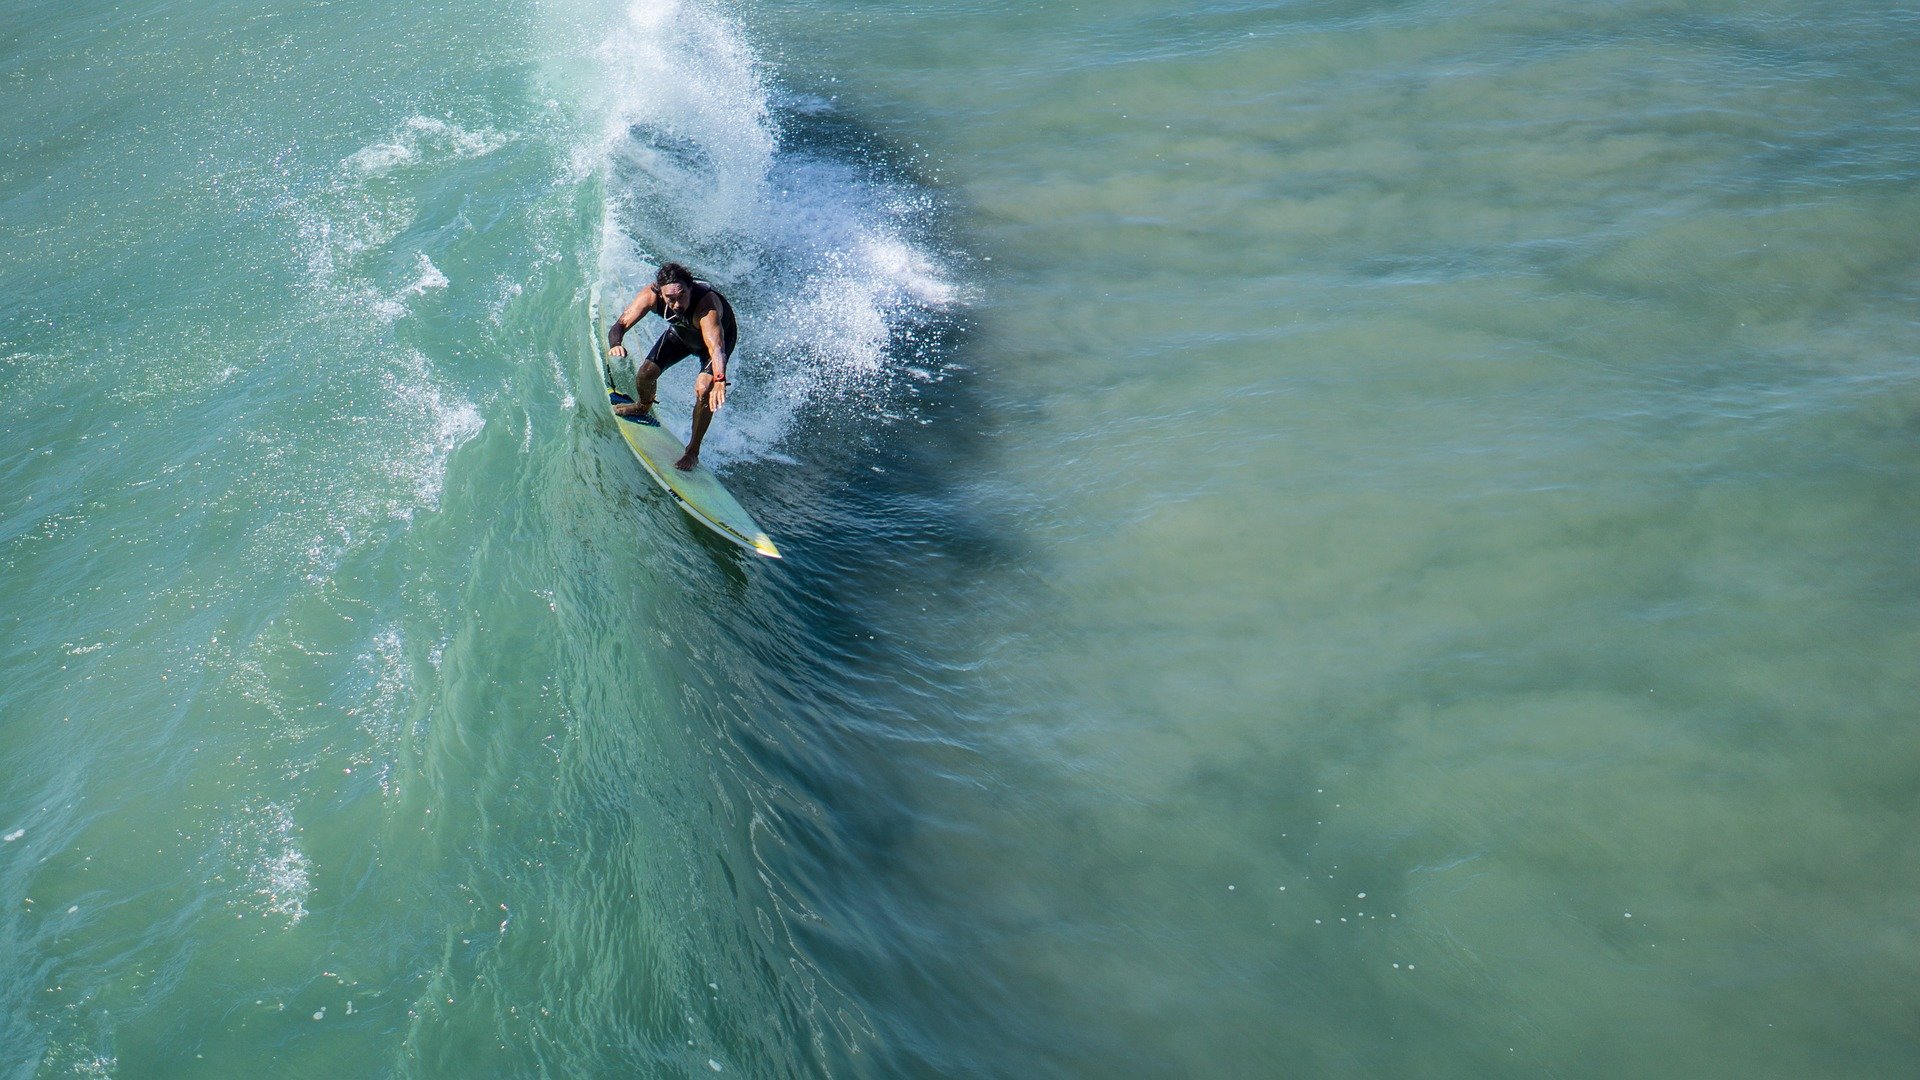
(699, 323)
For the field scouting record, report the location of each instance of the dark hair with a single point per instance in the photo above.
(673, 274)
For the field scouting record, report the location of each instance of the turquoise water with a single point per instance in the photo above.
(1323, 539)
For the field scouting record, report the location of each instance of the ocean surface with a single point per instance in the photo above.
(1331, 538)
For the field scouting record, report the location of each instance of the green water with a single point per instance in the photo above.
(1323, 539)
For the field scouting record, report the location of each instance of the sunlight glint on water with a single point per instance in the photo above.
(1323, 539)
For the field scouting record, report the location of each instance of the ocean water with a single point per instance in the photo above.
(1323, 539)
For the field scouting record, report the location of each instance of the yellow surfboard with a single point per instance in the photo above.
(697, 490)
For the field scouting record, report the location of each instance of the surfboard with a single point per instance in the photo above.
(697, 490)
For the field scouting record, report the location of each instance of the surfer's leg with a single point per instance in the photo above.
(666, 352)
(702, 416)
(645, 382)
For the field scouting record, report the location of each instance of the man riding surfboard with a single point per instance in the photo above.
(699, 323)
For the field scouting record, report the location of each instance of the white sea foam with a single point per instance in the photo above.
(382, 704)
(427, 420)
(382, 156)
(406, 431)
(391, 309)
(354, 215)
(379, 712)
(275, 876)
(440, 425)
(505, 292)
(421, 138)
(692, 87)
(430, 278)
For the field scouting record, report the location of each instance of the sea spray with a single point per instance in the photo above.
(825, 250)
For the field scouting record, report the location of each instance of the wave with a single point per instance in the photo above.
(826, 252)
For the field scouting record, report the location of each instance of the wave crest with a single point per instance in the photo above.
(824, 251)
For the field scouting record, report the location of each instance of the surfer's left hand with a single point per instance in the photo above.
(716, 394)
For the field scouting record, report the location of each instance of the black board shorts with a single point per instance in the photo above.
(669, 350)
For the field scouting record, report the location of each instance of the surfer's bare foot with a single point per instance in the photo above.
(633, 409)
(686, 464)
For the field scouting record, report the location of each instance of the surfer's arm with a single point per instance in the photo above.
(716, 338)
(642, 303)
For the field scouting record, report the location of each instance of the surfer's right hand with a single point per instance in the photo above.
(617, 352)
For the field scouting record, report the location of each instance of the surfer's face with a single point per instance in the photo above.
(675, 297)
